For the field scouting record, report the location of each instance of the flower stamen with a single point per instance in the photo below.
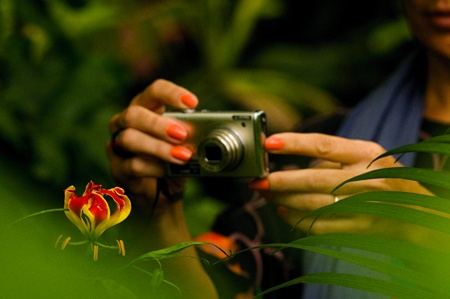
(57, 240)
(64, 244)
(121, 247)
(95, 252)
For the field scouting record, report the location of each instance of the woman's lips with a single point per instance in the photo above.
(439, 20)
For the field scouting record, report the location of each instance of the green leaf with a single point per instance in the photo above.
(157, 278)
(386, 256)
(397, 249)
(94, 16)
(445, 138)
(116, 290)
(389, 288)
(237, 35)
(435, 145)
(391, 205)
(427, 176)
(166, 252)
(389, 36)
(39, 213)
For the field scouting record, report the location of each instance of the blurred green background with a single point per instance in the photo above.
(67, 66)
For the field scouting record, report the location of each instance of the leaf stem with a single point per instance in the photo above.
(37, 214)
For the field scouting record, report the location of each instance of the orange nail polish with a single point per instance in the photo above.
(261, 184)
(180, 153)
(176, 131)
(189, 100)
(274, 143)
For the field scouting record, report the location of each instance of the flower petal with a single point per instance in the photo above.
(99, 208)
(123, 204)
(123, 209)
(74, 206)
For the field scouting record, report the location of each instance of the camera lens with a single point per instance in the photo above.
(220, 151)
(213, 154)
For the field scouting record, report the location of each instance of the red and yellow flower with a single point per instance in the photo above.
(92, 215)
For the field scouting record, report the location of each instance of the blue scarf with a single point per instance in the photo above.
(391, 116)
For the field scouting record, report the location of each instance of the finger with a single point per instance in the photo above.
(303, 202)
(322, 146)
(139, 143)
(322, 164)
(307, 180)
(317, 181)
(162, 92)
(113, 124)
(142, 119)
(136, 167)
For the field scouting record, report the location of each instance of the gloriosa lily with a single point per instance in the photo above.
(92, 215)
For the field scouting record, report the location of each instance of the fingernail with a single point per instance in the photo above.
(176, 131)
(180, 153)
(189, 100)
(261, 184)
(274, 143)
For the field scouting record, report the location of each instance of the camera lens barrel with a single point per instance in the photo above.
(222, 150)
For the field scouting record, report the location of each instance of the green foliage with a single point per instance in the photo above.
(415, 259)
(56, 98)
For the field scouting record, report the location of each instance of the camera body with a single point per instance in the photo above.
(224, 144)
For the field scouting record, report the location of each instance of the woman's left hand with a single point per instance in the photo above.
(300, 191)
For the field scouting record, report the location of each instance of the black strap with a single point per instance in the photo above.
(163, 187)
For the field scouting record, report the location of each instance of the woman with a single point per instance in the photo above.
(416, 95)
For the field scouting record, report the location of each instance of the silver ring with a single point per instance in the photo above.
(336, 198)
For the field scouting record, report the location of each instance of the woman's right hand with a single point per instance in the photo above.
(145, 140)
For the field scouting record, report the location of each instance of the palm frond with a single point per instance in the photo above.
(412, 266)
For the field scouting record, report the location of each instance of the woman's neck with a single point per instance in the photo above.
(437, 91)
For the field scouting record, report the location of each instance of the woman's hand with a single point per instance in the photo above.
(145, 140)
(298, 192)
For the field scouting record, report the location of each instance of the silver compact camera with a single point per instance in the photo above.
(224, 144)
